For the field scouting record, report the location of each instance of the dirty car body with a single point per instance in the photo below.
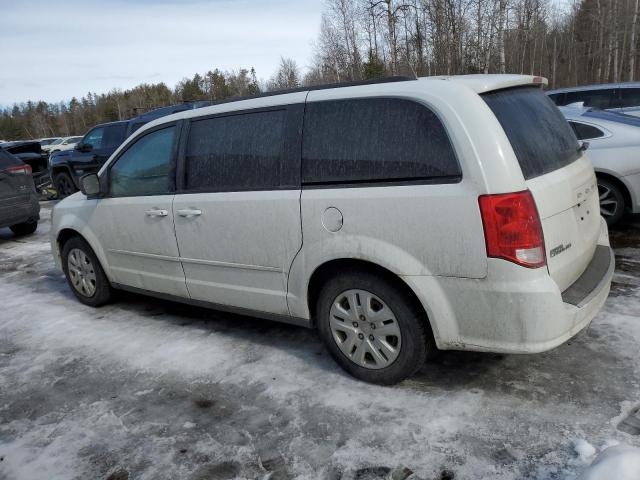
(479, 211)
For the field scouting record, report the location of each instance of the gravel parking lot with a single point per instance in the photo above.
(145, 389)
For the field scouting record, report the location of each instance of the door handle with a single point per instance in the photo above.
(156, 213)
(189, 212)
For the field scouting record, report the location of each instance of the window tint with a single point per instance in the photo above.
(113, 135)
(145, 168)
(236, 152)
(585, 132)
(591, 98)
(375, 139)
(630, 97)
(539, 134)
(94, 137)
(558, 98)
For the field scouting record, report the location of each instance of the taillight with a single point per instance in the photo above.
(512, 228)
(20, 169)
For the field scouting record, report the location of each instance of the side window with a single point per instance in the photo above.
(146, 167)
(94, 137)
(591, 98)
(235, 152)
(585, 132)
(113, 135)
(558, 98)
(630, 97)
(374, 140)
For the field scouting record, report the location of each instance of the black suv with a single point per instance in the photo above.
(67, 167)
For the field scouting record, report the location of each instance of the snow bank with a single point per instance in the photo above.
(619, 462)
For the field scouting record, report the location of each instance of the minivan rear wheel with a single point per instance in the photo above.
(372, 328)
(84, 273)
(612, 204)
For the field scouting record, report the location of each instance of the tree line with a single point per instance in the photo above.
(589, 41)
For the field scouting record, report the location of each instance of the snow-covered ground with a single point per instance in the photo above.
(145, 389)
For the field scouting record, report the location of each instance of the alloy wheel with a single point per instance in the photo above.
(608, 201)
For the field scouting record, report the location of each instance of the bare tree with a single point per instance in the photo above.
(287, 75)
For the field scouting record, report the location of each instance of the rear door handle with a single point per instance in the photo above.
(189, 212)
(156, 213)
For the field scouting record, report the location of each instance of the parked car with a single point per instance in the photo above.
(19, 207)
(395, 217)
(47, 141)
(64, 143)
(614, 150)
(622, 97)
(97, 145)
(30, 152)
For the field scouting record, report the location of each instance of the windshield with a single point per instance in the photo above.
(539, 134)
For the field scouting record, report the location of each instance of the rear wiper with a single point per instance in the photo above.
(583, 147)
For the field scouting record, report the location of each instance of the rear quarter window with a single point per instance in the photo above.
(540, 136)
(375, 140)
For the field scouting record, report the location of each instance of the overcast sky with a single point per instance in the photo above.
(55, 49)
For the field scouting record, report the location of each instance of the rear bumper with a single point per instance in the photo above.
(12, 214)
(511, 314)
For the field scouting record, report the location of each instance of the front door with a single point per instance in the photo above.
(135, 221)
(238, 220)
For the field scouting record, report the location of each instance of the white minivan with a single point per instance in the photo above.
(396, 217)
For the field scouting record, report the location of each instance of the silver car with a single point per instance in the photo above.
(614, 150)
(621, 97)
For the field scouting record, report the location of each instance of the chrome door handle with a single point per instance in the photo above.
(189, 212)
(156, 213)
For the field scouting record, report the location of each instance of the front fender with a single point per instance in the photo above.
(74, 213)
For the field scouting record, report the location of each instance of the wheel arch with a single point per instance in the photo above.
(68, 232)
(327, 270)
(63, 168)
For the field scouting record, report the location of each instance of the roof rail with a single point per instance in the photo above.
(395, 78)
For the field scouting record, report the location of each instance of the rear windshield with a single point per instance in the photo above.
(539, 134)
(7, 160)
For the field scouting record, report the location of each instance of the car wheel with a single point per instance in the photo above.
(64, 185)
(612, 203)
(372, 328)
(24, 228)
(84, 273)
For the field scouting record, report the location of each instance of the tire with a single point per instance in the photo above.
(96, 289)
(24, 228)
(64, 185)
(338, 331)
(612, 204)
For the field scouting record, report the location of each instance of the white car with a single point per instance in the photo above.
(47, 141)
(621, 97)
(61, 144)
(614, 150)
(395, 217)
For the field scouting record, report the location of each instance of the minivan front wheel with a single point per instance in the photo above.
(371, 328)
(84, 274)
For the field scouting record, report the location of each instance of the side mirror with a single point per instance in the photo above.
(90, 185)
(83, 147)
